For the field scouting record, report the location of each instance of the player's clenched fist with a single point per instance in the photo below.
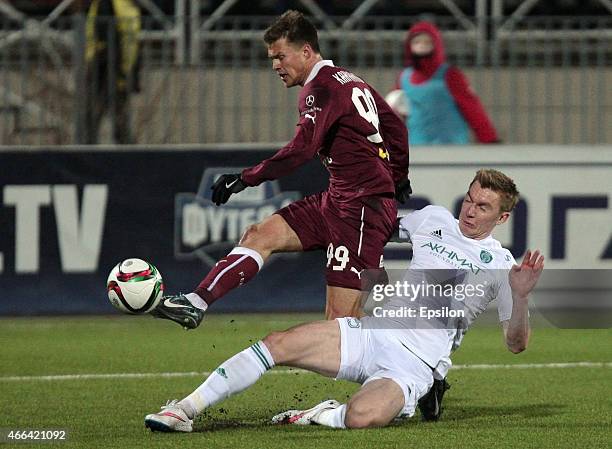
(225, 186)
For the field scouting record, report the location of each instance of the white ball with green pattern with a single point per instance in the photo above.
(134, 286)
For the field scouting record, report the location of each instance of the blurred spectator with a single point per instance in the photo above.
(441, 107)
(112, 58)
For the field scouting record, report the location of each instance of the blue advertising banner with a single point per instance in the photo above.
(67, 217)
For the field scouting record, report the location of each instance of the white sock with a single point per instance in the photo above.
(232, 376)
(333, 417)
(196, 301)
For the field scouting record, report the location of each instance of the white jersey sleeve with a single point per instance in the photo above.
(504, 294)
(410, 223)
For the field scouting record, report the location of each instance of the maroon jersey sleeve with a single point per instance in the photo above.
(317, 116)
(470, 106)
(395, 137)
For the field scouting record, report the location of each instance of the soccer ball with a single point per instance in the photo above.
(134, 286)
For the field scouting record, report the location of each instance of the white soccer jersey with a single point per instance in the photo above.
(438, 244)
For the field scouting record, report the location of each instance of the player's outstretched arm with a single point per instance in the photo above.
(523, 278)
(311, 132)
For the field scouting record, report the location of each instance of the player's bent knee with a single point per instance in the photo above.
(360, 416)
(265, 237)
(362, 422)
(275, 342)
(250, 235)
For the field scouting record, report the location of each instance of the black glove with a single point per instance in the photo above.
(403, 190)
(225, 186)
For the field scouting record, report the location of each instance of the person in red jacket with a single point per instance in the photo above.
(441, 105)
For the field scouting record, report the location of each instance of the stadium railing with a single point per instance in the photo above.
(543, 79)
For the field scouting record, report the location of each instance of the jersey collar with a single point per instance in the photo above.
(318, 66)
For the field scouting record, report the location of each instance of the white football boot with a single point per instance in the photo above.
(171, 418)
(304, 417)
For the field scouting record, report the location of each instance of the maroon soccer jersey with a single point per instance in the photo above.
(360, 140)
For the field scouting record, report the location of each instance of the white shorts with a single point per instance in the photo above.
(369, 354)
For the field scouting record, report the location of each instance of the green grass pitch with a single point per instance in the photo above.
(486, 408)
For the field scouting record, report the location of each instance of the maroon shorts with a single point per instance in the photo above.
(353, 234)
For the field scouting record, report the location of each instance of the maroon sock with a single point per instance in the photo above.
(236, 269)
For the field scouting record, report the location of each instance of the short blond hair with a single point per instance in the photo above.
(500, 183)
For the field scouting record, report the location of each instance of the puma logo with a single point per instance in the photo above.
(311, 117)
(358, 273)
